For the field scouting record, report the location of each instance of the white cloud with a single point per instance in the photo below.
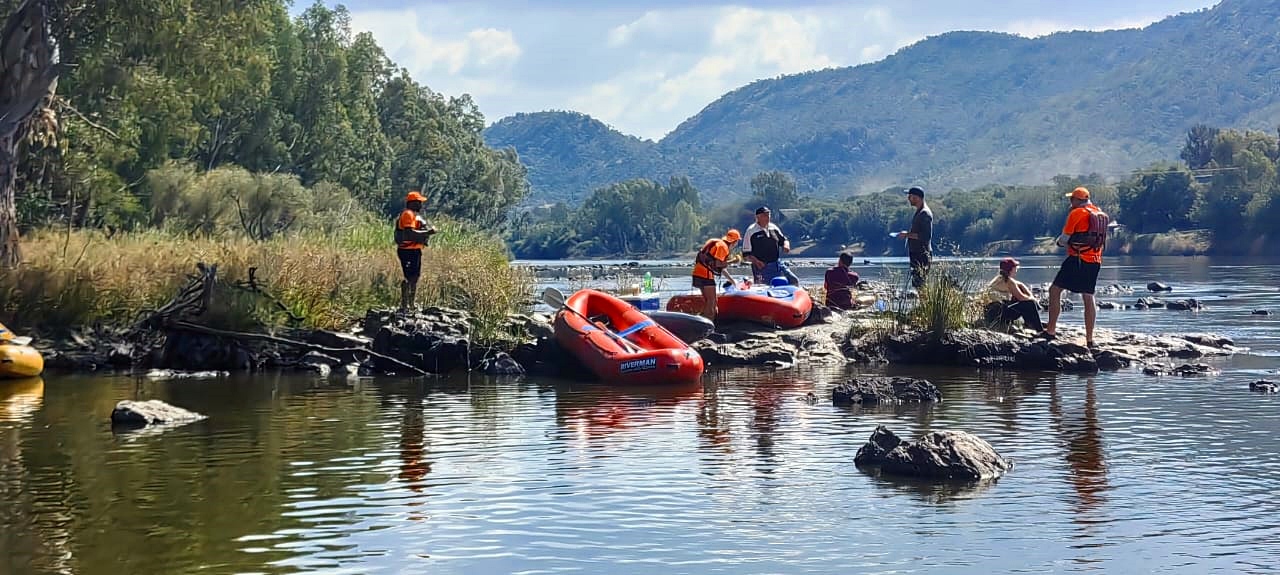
(400, 34)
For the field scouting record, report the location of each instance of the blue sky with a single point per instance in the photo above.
(643, 67)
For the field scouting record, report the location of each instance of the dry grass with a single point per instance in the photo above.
(329, 280)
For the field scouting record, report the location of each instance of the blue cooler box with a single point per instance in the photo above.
(648, 302)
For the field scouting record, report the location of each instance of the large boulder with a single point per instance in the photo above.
(875, 390)
(949, 455)
(151, 412)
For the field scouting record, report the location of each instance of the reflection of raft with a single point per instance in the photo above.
(16, 358)
(19, 398)
(780, 306)
(621, 344)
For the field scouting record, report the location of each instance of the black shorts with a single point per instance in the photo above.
(919, 268)
(702, 282)
(1077, 276)
(410, 263)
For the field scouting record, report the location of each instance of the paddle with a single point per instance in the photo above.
(552, 297)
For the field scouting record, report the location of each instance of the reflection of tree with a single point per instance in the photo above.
(1084, 453)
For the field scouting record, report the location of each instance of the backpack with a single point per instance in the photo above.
(1095, 238)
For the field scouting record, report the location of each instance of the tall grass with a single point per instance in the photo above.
(948, 300)
(328, 277)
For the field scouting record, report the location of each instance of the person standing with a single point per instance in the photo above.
(840, 282)
(713, 260)
(763, 246)
(919, 238)
(412, 234)
(1084, 236)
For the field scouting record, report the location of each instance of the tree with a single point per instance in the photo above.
(1198, 150)
(1159, 200)
(27, 81)
(775, 189)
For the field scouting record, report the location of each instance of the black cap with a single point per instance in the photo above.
(762, 210)
(916, 191)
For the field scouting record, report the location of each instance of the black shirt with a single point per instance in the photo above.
(922, 226)
(764, 243)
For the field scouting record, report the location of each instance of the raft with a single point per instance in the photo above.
(784, 306)
(621, 344)
(688, 327)
(18, 359)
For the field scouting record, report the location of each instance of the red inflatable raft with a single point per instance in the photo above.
(620, 344)
(780, 306)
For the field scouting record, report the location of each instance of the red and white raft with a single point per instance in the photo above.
(777, 306)
(620, 344)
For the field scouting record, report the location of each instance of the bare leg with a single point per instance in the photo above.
(709, 302)
(1090, 314)
(1055, 309)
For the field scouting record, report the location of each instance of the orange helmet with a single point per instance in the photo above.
(414, 196)
(732, 235)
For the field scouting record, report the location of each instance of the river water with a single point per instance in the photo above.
(741, 473)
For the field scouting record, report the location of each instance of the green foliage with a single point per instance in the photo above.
(241, 86)
(958, 110)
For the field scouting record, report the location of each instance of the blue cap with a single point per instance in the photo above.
(779, 281)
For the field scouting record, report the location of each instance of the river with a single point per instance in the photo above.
(1117, 472)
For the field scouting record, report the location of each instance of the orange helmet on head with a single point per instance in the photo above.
(732, 235)
(415, 196)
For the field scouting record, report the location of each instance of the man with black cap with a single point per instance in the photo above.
(763, 245)
(919, 237)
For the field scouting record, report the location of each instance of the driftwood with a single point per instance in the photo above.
(196, 328)
(195, 297)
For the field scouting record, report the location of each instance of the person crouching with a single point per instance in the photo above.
(713, 260)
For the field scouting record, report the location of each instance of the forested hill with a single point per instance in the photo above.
(956, 110)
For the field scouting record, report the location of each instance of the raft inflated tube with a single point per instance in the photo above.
(620, 344)
(686, 326)
(20, 361)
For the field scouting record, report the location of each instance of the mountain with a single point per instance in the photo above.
(957, 110)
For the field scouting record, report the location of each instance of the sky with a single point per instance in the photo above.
(645, 66)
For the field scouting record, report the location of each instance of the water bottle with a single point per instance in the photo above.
(648, 282)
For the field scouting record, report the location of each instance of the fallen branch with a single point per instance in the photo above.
(196, 328)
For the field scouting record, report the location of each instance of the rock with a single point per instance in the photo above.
(163, 374)
(435, 340)
(749, 352)
(819, 314)
(1158, 287)
(874, 390)
(1261, 312)
(501, 364)
(1184, 370)
(121, 354)
(357, 370)
(534, 326)
(1140, 306)
(1108, 305)
(1264, 386)
(1150, 303)
(151, 412)
(878, 446)
(1110, 360)
(951, 455)
(1208, 339)
(1184, 305)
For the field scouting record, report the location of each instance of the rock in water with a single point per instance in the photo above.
(873, 390)
(501, 364)
(1261, 312)
(1264, 386)
(882, 441)
(939, 455)
(150, 412)
(1158, 287)
(1184, 305)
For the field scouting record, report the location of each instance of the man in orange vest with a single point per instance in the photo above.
(713, 260)
(412, 234)
(1084, 236)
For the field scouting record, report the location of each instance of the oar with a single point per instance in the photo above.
(552, 297)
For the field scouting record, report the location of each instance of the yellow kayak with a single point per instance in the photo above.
(17, 359)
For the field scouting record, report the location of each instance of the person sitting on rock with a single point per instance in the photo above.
(1017, 301)
(840, 282)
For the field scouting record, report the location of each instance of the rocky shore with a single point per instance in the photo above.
(440, 340)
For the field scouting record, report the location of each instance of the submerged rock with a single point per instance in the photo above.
(873, 390)
(150, 412)
(955, 455)
(1261, 312)
(1150, 303)
(163, 374)
(1265, 386)
(501, 364)
(1158, 287)
(1184, 305)
(1184, 370)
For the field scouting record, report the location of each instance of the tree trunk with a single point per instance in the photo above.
(10, 255)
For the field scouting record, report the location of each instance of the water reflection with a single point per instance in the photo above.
(414, 466)
(594, 410)
(1081, 433)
